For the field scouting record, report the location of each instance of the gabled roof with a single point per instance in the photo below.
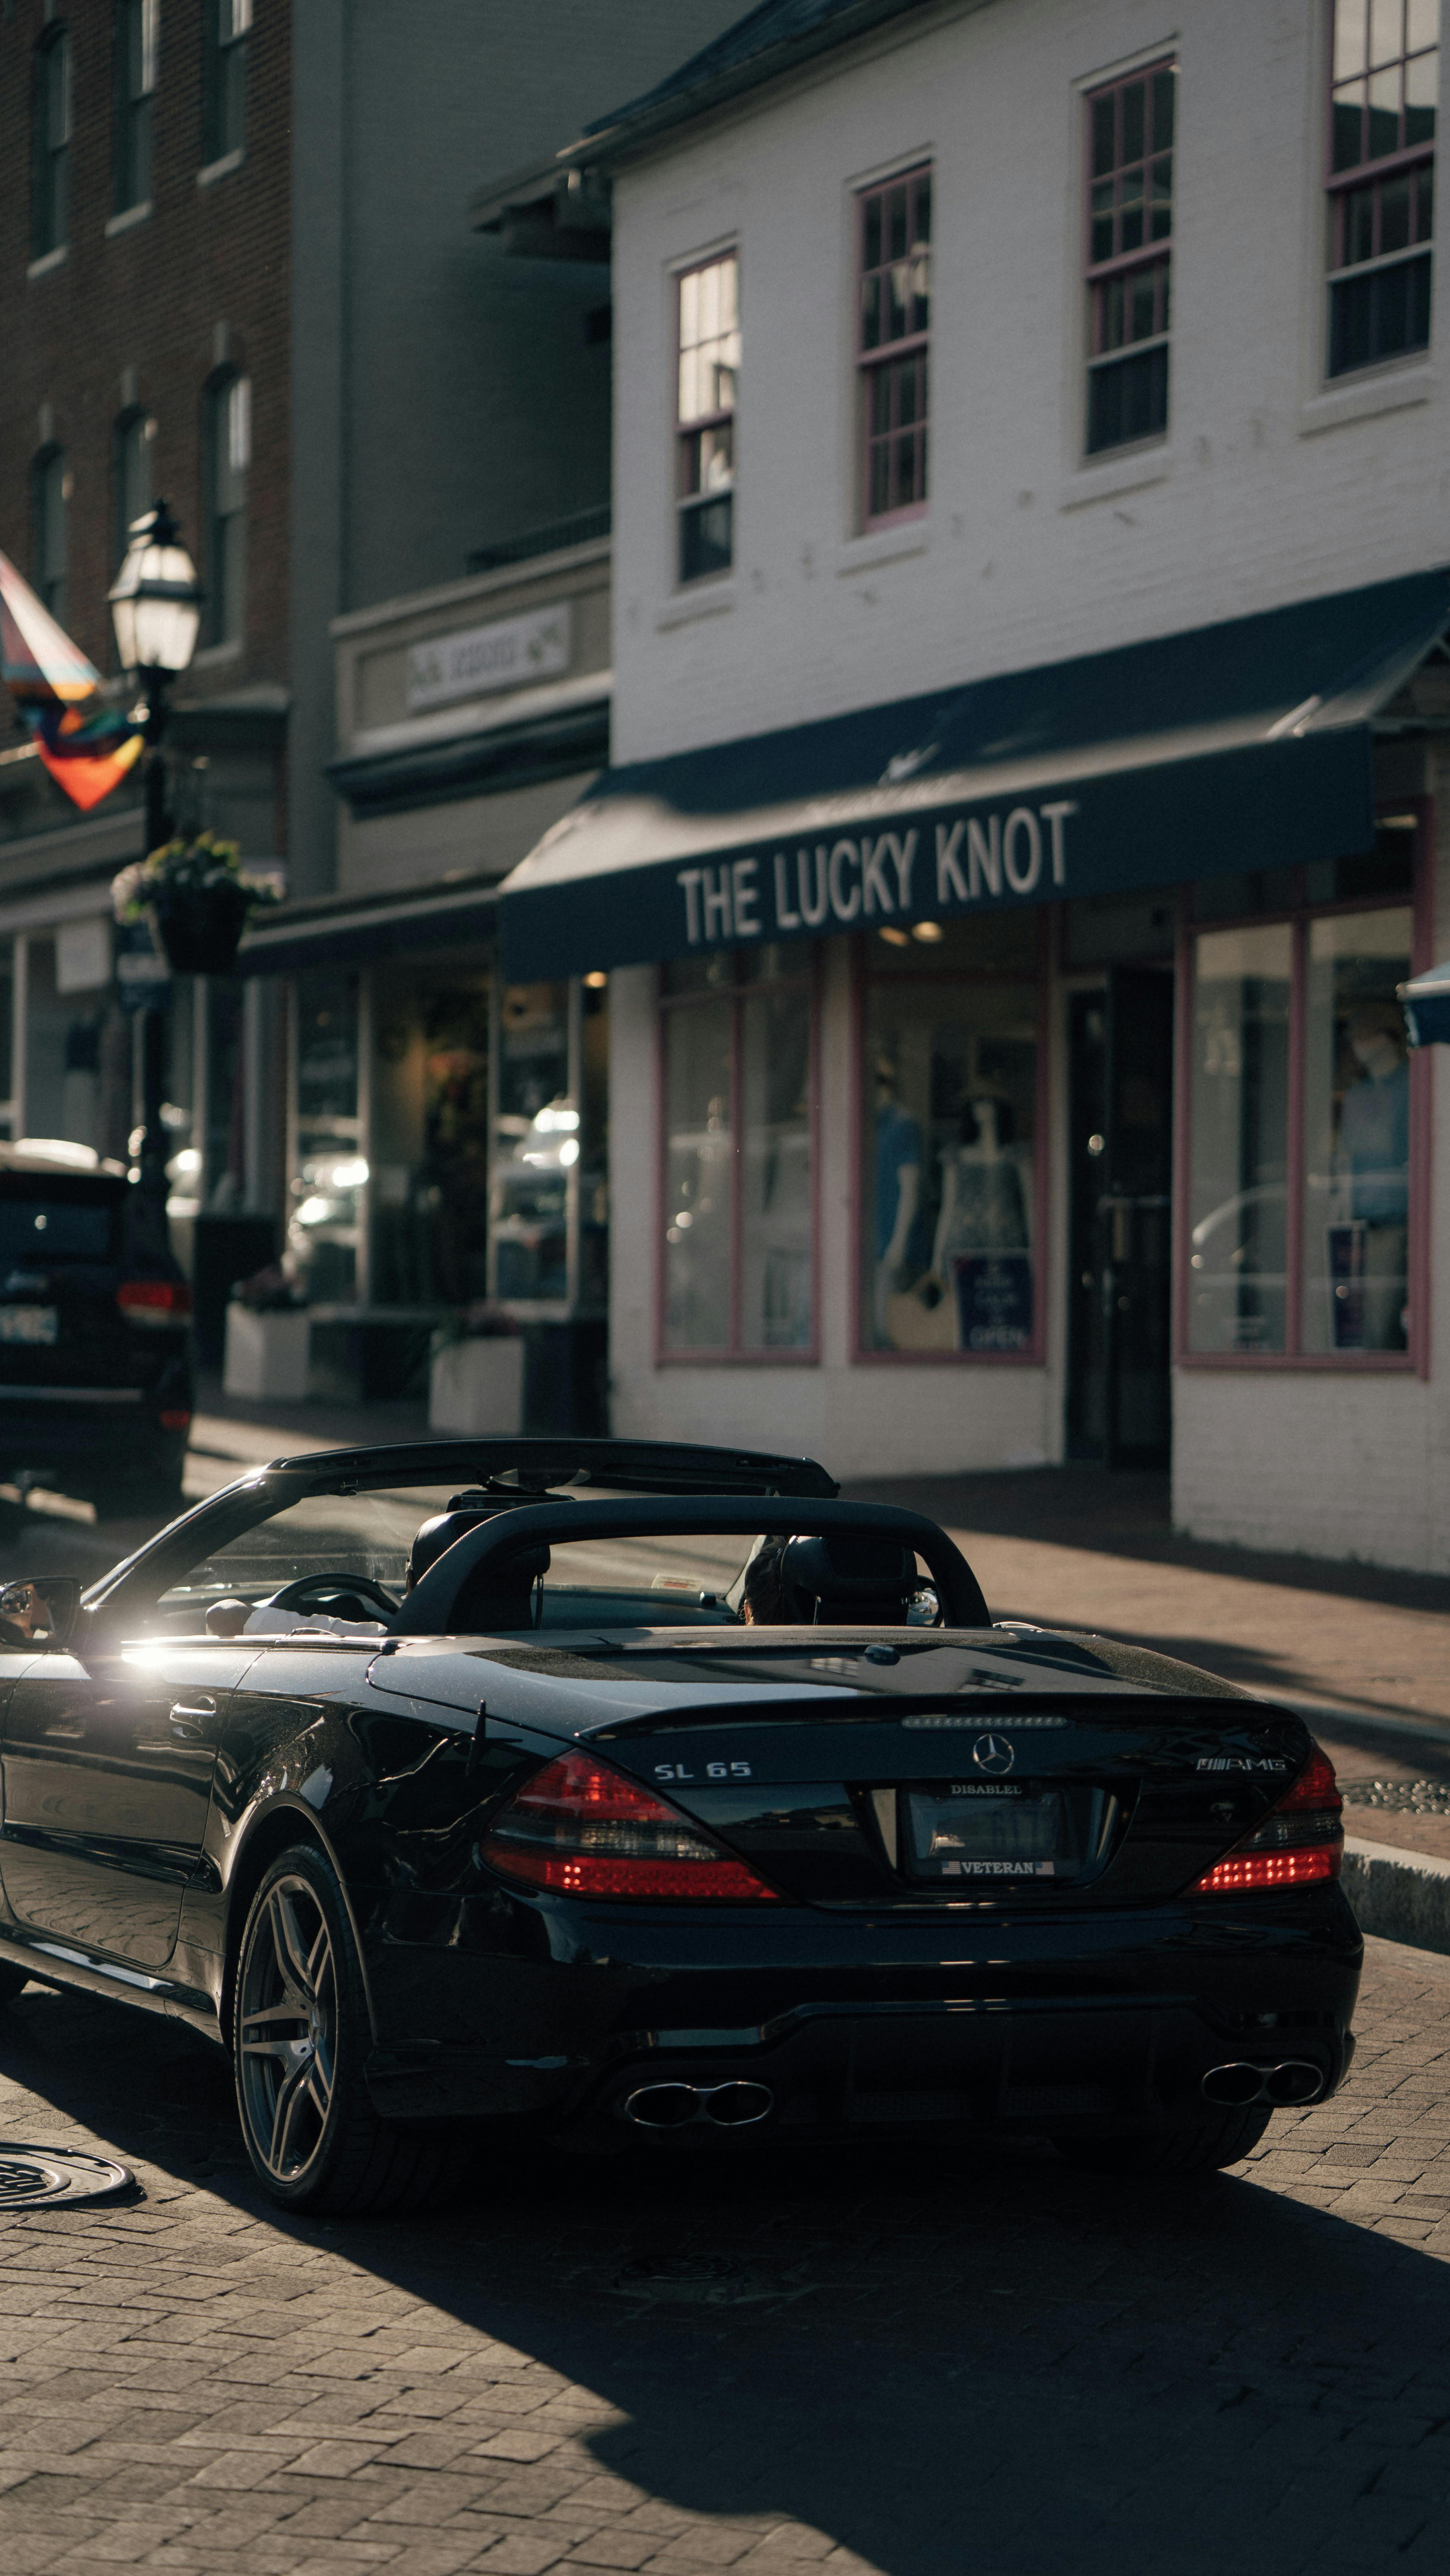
(768, 41)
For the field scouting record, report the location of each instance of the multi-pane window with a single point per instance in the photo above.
(132, 476)
(709, 368)
(228, 456)
(1129, 260)
(137, 29)
(1300, 1205)
(225, 28)
(951, 1120)
(50, 509)
(1386, 77)
(893, 352)
(738, 1196)
(50, 169)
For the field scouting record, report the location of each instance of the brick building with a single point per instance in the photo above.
(237, 267)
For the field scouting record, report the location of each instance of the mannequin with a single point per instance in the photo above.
(1373, 1147)
(900, 1219)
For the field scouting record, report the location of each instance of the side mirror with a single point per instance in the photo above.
(39, 1612)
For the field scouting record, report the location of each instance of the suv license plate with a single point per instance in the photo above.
(29, 1324)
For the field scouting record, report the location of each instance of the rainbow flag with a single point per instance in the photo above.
(86, 745)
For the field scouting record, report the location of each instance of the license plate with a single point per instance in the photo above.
(29, 1324)
(1000, 1829)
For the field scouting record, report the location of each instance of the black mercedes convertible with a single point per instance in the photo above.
(614, 1792)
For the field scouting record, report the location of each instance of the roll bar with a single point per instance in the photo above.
(428, 1610)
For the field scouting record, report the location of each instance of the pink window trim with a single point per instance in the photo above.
(864, 1354)
(912, 344)
(670, 1355)
(1415, 1362)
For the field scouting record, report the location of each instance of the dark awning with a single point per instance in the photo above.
(1238, 746)
(339, 930)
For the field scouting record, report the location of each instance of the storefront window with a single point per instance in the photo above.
(738, 1154)
(81, 1075)
(329, 1170)
(1300, 1198)
(7, 1037)
(536, 1145)
(949, 1155)
(1239, 1219)
(225, 1169)
(1356, 1135)
(429, 1132)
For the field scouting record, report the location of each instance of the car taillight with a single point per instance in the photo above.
(1302, 1838)
(154, 1301)
(582, 1829)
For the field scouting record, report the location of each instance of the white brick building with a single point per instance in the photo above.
(1065, 650)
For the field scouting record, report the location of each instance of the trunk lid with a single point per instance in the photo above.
(1105, 1798)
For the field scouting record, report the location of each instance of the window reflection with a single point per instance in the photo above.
(1238, 1215)
(1357, 1135)
(536, 1144)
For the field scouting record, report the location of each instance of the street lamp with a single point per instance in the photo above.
(156, 611)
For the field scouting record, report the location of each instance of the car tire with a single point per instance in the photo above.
(300, 2035)
(13, 1982)
(1197, 2144)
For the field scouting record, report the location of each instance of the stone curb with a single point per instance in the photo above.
(1400, 1895)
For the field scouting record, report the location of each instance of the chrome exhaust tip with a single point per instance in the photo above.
(1234, 2086)
(663, 2106)
(1295, 2081)
(737, 2106)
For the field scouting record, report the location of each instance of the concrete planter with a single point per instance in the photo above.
(266, 1355)
(478, 1386)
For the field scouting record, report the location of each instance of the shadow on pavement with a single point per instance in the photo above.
(938, 2360)
(1125, 1513)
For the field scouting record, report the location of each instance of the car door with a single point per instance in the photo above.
(106, 1766)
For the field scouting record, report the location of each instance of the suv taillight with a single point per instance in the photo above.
(582, 1829)
(155, 1301)
(1302, 1838)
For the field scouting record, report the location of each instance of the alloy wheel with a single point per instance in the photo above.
(288, 2013)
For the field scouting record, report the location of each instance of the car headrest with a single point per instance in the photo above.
(497, 1595)
(438, 1535)
(848, 1578)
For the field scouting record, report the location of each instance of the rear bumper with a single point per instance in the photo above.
(1087, 2023)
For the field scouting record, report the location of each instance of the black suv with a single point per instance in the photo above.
(96, 1389)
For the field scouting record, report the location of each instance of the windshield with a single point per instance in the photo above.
(366, 1539)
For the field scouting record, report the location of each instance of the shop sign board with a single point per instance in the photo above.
(1157, 823)
(508, 654)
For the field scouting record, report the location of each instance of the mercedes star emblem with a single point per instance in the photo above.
(992, 1753)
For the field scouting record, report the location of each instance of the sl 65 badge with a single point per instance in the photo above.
(710, 1771)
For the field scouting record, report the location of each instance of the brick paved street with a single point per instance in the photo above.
(915, 2362)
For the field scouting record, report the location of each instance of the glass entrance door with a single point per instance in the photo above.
(1121, 1146)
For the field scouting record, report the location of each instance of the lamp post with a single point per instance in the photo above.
(156, 611)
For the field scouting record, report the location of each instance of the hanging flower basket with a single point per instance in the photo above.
(197, 898)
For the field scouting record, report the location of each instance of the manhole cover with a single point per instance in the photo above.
(39, 2177)
(702, 2280)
